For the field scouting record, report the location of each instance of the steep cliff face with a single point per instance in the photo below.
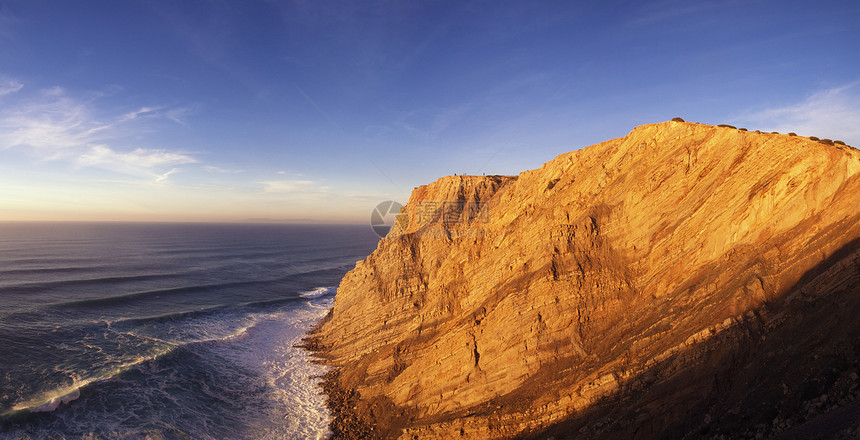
(677, 281)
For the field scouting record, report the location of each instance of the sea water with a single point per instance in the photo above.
(160, 331)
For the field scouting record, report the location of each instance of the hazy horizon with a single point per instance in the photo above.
(212, 111)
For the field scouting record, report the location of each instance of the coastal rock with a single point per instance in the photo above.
(684, 280)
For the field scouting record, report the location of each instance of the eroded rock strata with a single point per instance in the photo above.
(685, 280)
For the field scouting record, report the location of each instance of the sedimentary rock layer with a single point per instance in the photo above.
(685, 279)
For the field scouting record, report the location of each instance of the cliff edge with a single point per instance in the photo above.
(685, 280)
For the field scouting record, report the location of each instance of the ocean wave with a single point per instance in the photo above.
(55, 402)
(156, 293)
(35, 318)
(41, 286)
(47, 270)
(18, 260)
(225, 308)
(50, 400)
(318, 292)
(293, 279)
(174, 316)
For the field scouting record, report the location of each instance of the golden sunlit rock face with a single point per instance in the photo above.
(685, 278)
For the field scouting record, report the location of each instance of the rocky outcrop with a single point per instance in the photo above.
(684, 280)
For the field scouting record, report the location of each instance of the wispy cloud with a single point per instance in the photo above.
(179, 114)
(56, 126)
(660, 11)
(287, 186)
(216, 169)
(164, 176)
(297, 190)
(52, 122)
(131, 162)
(139, 113)
(427, 124)
(8, 86)
(832, 113)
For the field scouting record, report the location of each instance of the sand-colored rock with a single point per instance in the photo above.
(630, 288)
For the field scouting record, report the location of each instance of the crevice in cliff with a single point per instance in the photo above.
(475, 353)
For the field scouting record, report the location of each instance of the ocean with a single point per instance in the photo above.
(166, 331)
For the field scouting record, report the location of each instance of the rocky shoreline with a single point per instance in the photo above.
(347, 423)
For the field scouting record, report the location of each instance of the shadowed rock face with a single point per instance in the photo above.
(684, 280)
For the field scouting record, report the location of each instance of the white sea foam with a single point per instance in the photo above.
(51, 400)
(55, 402)
(201, 331)
(299, 409)
(318, 292)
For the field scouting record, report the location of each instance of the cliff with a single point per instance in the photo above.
(684, 280)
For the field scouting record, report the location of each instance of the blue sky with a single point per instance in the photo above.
(229, 110)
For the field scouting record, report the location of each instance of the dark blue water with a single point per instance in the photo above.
(165, 330)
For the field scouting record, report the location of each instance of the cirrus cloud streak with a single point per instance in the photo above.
(56, 126)
(830, 113)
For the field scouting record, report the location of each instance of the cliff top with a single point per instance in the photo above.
(460, 200)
